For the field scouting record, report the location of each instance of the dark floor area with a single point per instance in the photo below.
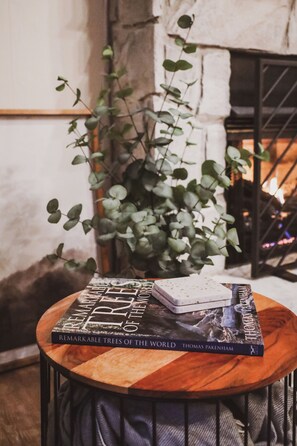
(19, 407)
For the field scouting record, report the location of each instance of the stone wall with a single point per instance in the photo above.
(143, 35)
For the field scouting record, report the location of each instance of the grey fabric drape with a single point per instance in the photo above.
(170, 420)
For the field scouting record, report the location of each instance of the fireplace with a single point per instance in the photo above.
(264, 199)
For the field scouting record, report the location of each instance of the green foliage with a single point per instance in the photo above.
(150, 206)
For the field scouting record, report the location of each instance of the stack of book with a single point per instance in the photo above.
(124, 313)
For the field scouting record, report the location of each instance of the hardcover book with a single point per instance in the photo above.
(123, 313)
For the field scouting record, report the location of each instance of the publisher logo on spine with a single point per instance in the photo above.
(253, 350)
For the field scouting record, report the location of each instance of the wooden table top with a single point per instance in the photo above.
(174, 374)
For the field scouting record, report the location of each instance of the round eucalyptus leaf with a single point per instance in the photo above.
(111, 204)
(97, 156)
(74, 212)
(59, 250)
(228, 218)
(163, 190)
(166, 117)
(185, 218)
(143, 246)
(208, 182)
(180, 174)
(79, 159)
(189, 231)
(118, 191)
(171, 90)
(198, 249)
(237, 248)
(220, 209)
(177, 131)
(71, 264)
(92, 122)
(204, 194)
(152, 229)
(124, 157)
(233, 153)
(87, 225)
(101, 110)
(224, 181)
(169, 65)
(179, 42)
(172, 158)
(191, 200)
(212, 248)
(126, 235)
(52, 206)
(183, 65)
(70, 224)
(52, 257)
(151, 114)
(163, 166)
(185, 21)
(107, 52)
(232, 236)
(160, 141)
(220, 232)
(149, 220)
(139, 216)
(91, 265)
(175, 225)
(218, 168)
(190, 48)
(177, 245)
(124, 92)
(54, 217)
(149, 180)
(207, 168)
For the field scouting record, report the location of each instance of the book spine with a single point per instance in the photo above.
(157, 344)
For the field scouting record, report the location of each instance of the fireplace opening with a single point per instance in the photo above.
(263, 95)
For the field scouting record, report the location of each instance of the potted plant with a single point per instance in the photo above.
(153, 211)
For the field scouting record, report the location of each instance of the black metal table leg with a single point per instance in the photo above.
(44, 384)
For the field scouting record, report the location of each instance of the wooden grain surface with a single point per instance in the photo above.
(174, 374)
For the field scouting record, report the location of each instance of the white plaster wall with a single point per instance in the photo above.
(35, 168)
(41, 39)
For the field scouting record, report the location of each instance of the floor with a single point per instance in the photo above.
(19, 407)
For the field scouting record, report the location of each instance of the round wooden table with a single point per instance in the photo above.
(173, 374)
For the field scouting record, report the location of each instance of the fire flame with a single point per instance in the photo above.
(271, 186)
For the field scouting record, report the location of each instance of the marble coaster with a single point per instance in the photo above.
(191, 290)
(179, 309)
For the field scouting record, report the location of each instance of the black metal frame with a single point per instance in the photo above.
(48, 373)
(259, 262)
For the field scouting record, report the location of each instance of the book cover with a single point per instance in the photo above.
(123, 313)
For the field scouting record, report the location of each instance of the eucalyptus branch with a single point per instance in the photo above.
(170, 82)
(79, 100)
(131, 117)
